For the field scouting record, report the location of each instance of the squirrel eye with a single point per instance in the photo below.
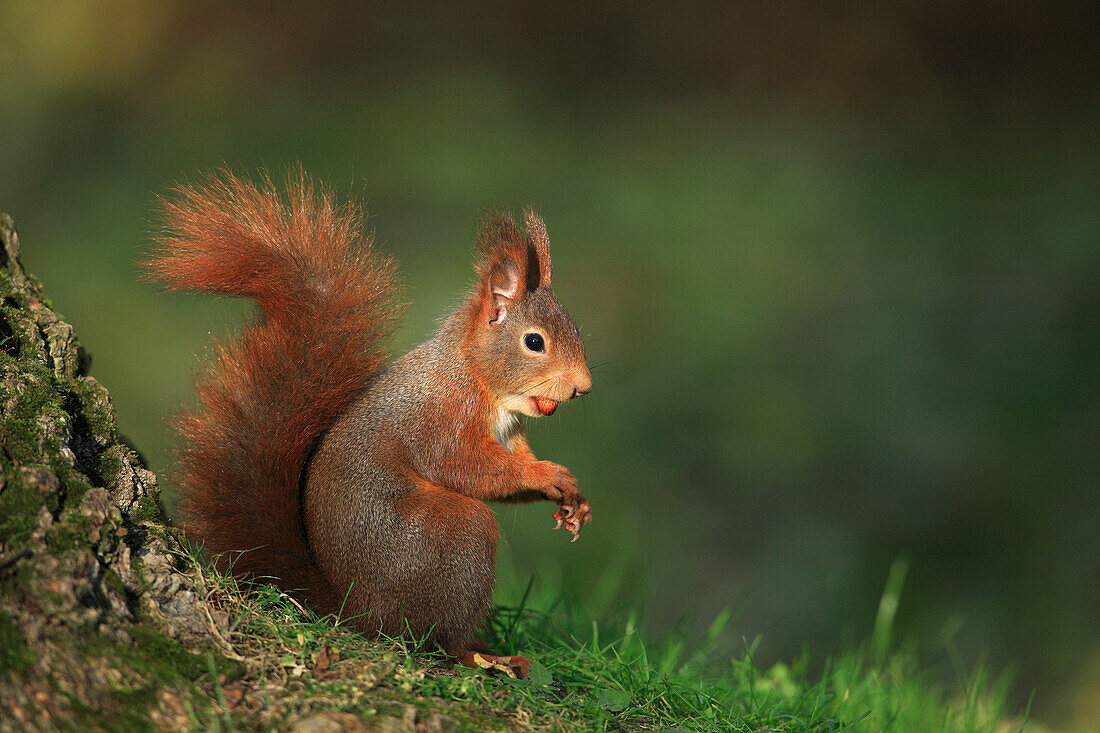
(533, 342)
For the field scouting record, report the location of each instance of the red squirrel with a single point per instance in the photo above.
(362, 485)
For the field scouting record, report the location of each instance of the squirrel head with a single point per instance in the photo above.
(527, 350)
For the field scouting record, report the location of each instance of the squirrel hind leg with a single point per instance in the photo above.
(421, 564)
(448, 595)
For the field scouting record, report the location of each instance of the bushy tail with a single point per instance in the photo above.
(327, 307)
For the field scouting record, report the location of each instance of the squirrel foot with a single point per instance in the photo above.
(512, 666)
(573, 514)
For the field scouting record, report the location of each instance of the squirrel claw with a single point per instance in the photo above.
(572, 517)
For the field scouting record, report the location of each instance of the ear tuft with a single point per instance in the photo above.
(540, 244)
(499, 236)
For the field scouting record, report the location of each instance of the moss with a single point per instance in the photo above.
(148, 510)
(109, 466)
(73, 532)
(169, 660)
(14, 654)
(64, 539)
(67, 536)
(152, 663)
(32, 416)
(123, 709)
(112, 581)
(95, 406)
(24, 493)
(92, 431)
(24, 336)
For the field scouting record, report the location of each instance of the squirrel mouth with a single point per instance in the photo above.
(545, 405)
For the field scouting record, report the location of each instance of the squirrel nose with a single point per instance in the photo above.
(582, 384)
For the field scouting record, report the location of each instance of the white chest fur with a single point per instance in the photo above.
(506, 425)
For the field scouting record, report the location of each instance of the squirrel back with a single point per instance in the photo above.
(326, 300)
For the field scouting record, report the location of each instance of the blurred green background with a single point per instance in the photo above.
(838, 269)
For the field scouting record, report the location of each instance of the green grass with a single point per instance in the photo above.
(587, 675)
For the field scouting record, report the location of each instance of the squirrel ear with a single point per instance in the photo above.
(538, 269)
(503, 264)
(504, 286)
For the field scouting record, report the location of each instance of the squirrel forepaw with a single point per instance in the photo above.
(573, 514)
(561, 487)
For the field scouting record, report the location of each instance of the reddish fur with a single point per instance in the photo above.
(326, 309)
